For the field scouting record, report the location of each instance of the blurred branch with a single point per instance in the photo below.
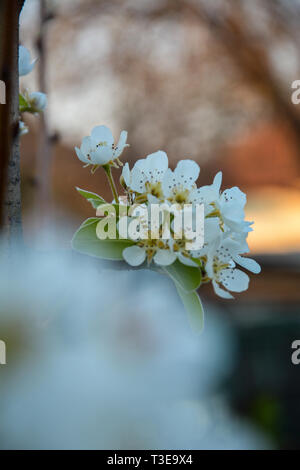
(44, 138)
(251, 59)
(231, 28)
(10, 190)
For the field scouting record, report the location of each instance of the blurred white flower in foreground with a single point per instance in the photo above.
(100, 359)
(26, 65)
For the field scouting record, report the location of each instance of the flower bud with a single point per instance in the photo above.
(38, 101)
(23, 129)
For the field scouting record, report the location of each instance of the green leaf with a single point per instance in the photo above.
(187, 277)
(23, 104)
(197, 261)
(193, 308)
(91, 220)
(93, 198)
(86, 241)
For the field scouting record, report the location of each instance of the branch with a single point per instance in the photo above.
(250, 57)
(44, 140)
(10, 191)
(246, 52)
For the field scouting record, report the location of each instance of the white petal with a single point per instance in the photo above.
(217, 182)
(240, 238)
(121, 144)
(249, 264)
(102, 134)
(234, 195)
(169, 181)
(221, 292)
(247, 226)
(212, 229)
(234, 225)
(234, 280)
(233, 216)
(158, 161)
(187, 261)
(231, 246)
(138, 180)
(81, 156)
(102, 155)
(152, 199)
(164, 257)
(187, 170)
(150, 169)
(141, 164)
(224, 256)
(212, 237)
(153, 167)
(134, 255)
(86, 145)
(204, 195)
(25, 64)
(126, 174)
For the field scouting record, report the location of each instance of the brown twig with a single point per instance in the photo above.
(10, 181)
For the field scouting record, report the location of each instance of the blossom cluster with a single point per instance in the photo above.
(151, 182)
(225, 230)
(34, 102)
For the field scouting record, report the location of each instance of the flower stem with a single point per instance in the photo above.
(112, 185)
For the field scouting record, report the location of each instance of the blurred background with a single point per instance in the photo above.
(203, 79)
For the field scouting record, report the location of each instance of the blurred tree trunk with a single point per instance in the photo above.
(10, 191)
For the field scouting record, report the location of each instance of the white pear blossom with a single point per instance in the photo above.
(151, 182)
(23, 129)
(146, 247)
(37, 101)
(26, 65)
(149, 249)
(234, 249)
(147, 175)
(232, 279)
(212, 237)
(179, 185)
(162, 251)
(156, 234)
(220, 254)
(178, 247)
(228, 205)
(220, 267)
(99, 148)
